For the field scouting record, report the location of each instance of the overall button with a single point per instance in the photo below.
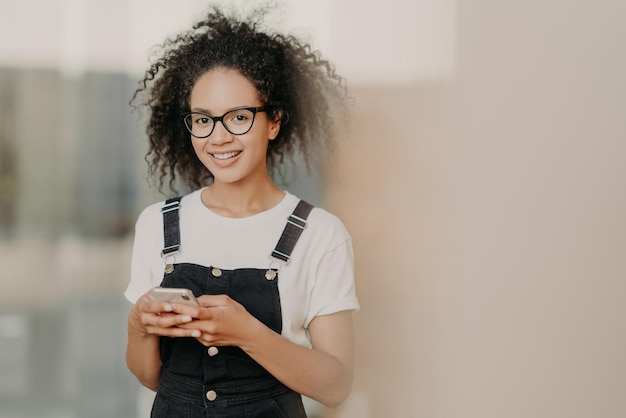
(213, 351)
(211, 395)
(216, 272)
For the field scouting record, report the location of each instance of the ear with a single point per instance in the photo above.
(275, 123)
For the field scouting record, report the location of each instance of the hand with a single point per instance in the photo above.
(220, 320)
(151, 317)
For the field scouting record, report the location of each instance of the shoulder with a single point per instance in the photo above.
(152, 213)
(148, 218)
(324, 226)
(322, 219)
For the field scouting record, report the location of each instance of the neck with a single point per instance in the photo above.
(239, 200)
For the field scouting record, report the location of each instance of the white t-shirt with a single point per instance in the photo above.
(318, 280)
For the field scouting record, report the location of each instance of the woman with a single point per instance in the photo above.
(273, 277)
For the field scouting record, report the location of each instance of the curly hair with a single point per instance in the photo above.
(301, 88)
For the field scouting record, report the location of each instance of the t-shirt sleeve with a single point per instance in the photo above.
(334, 289)
(144, 250)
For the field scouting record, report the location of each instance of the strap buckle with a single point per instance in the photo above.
(170, 251)
(297, 221)
(281, 258)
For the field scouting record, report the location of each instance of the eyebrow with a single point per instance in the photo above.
(201, 110)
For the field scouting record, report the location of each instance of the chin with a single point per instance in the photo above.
(227, 179)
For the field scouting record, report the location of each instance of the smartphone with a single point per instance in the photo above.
(174, 295)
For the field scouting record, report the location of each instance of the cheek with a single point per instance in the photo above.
(197, 146)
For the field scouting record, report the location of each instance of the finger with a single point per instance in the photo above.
(207, 301)
(174, 332)
(185, 309)
(150, 305)
(208, 332)
(207, 340)
(206, 327)
(166, 320)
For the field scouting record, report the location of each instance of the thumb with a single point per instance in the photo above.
(209, 301)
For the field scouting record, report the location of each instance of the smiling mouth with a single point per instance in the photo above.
(226, 155)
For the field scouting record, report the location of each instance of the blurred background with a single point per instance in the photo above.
(483, 183)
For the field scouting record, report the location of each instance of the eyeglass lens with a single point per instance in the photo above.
(237, 122)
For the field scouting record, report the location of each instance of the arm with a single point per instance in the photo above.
(142, 352)
(147, 320)
(323, 372)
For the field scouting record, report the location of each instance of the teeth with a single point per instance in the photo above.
(226, 155)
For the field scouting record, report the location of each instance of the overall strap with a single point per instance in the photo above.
(295, 225)
(171, 226)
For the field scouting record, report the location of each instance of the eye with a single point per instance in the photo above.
(239, 117)
(202, 120)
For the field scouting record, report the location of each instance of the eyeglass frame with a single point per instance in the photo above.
(216, 119)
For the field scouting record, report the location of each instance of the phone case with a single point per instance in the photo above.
(174, 295)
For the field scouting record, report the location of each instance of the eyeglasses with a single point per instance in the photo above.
(237, 121)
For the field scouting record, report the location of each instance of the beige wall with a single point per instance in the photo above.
(487, 207)
(489, 219)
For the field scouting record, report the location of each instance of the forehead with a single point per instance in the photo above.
(222, 89)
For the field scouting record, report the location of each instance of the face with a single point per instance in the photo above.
(231, 158)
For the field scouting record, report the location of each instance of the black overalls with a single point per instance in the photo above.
(197, 381)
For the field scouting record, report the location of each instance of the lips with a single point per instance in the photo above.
(225, 155)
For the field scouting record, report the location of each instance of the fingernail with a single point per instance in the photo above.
(195, 334)
(186, 319)
(167, 308)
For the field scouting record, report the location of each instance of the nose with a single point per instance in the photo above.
(220, 135)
